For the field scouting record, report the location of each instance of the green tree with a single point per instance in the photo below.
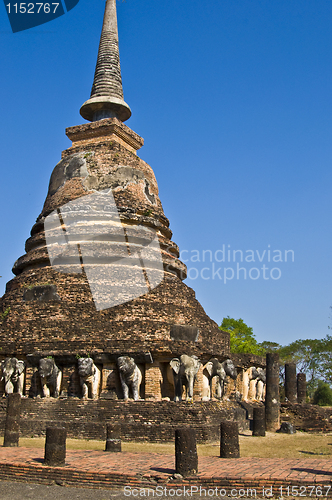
(325, 359)
(242, 338)
(313, 357)
(305, 353)
(270, 346)
(323, 394)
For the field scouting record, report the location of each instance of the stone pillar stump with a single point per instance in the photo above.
(113, 439)
(12, 424)
(258, 421)
(229, 440)
(55, 446)
(186, 460)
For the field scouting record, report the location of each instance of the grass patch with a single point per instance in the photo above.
(299, 445)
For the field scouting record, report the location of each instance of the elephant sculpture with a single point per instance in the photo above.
(184, 371)
(13, 375)
(216, 369)
(253, 383)
(260, 384)
(50, 377)
(130, 377)
(89, 377)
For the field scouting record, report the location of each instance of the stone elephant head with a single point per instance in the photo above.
(184, 371)
(214, 368)
(230, 368)
(89, 377)
(13, 375)
(130, 376)
(258, 374)
(46, 367)
(85, 367)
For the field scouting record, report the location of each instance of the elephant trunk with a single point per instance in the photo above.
(7, 377)
(190, 386)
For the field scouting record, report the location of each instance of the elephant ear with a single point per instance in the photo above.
(209, 368)
(262, 375)
(175, 365)
(9, 366)
(20, 367)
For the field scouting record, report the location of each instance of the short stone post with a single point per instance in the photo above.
(55, 446)
(259, 421)
(301, 388)
(186, 460)
(12, 424)
(272, 399)
(290, 382)
(229, 440)
(113, 439)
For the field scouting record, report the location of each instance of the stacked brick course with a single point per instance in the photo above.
(139, 420)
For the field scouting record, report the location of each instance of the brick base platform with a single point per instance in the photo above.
(309, 477)
(139, 420)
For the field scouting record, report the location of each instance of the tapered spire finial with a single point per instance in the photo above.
(106, 98)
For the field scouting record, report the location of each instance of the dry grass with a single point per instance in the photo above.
(299, 445)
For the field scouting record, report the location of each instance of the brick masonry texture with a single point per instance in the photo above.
(92, 469)
(307, 417)
(139, 420)
(70, 322)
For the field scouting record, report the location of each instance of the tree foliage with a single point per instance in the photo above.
(270, 346)
(312, 356)
(242, 338)
(323, 394)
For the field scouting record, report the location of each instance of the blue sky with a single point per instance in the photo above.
(234, 102)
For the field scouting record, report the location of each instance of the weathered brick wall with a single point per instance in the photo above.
(140, 420)
(153, 381)
(307, 417)
(73, 324)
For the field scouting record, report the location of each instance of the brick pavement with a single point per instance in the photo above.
(148, 470)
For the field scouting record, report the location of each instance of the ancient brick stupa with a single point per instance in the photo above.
(101, 275)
